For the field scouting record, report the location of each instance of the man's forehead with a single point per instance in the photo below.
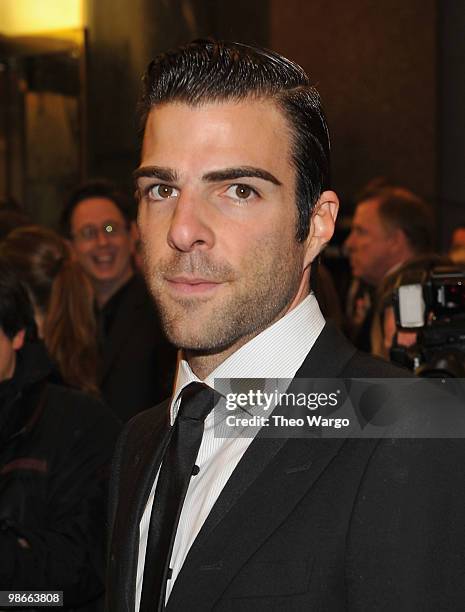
(368, 210)
(368, 216)
(215, 135)
(244, 104)
(95, 209)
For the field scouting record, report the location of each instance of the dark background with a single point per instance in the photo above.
(390, 72)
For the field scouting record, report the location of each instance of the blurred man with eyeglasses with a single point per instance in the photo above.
(137, 362)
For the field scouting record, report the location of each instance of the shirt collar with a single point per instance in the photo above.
(277, 352)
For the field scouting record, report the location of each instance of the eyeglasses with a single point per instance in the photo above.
(90, 233)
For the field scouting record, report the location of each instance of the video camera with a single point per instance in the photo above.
(434, 307)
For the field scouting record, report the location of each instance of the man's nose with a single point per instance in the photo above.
(191, 225)
(102, 237)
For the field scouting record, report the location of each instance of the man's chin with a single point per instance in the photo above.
(104, 275)
(190, 340)
(197, 338)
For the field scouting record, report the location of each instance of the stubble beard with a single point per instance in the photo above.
(249, 303)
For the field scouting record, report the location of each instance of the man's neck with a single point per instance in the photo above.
(403, 255)
(203, 364)
(393, 268)
(389, 268)
(105, 291)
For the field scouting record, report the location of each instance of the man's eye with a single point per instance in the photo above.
(163, 192)
(241, 192)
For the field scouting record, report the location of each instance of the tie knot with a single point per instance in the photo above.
(197, 401)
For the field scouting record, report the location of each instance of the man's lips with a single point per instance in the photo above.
(103, 259)
(191, 286)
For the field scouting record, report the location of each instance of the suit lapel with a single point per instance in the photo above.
(246, 515)
(281, 471)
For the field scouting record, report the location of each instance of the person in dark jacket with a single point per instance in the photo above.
(55, 447)
(138, 363)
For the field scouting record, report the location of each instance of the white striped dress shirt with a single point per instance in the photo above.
(277, 352)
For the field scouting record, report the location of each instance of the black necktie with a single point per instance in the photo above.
(197, 400)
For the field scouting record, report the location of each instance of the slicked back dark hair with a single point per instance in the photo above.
(16, 311)
(215, 71)
(96, 188)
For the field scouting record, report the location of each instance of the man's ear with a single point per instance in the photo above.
(18, 340)
(399, 240)
(321, 225)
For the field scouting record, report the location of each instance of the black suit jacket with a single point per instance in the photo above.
(308, 524)
(138, 362)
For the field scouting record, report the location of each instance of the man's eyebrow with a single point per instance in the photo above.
(228, 174)
(163, 174)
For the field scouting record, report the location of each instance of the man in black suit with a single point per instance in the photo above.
(391, 225)
(234, 206)
(137, 361)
